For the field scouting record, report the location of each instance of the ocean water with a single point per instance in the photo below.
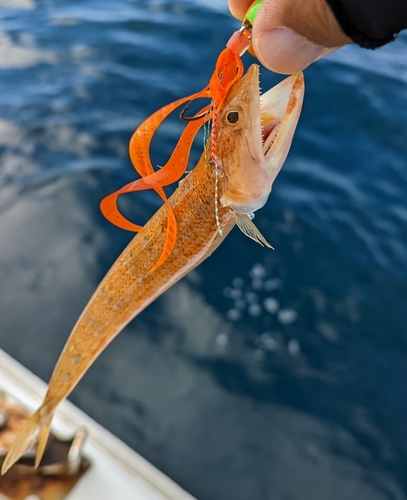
(263, 375)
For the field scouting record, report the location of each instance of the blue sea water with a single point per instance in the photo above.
(262, 375)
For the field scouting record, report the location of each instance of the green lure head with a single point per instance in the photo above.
(252, 12)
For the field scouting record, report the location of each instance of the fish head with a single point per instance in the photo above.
(254, 136)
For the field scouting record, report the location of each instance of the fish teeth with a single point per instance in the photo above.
(261, 120)
(271, 138)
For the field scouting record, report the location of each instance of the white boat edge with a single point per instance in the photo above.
(117, 471)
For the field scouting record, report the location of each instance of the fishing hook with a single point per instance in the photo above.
(191, 118)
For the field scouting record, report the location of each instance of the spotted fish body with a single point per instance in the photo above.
(245, 150)
(127, 288)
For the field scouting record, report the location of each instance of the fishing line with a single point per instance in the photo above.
(216, 163)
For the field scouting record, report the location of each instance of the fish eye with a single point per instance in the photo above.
(232, 117)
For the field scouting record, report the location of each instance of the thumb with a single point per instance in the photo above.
(288, 35)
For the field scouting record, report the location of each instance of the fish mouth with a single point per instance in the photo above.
(280, 109)
(253, 150)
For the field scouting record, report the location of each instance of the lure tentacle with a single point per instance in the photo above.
(229, 69)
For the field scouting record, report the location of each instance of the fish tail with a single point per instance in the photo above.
(44, 428)
(36, 429)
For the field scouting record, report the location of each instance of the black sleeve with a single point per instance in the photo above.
(370, 23)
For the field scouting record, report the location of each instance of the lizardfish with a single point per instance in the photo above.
(254, 135)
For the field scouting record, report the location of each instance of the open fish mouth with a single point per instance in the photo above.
(280, 108)
(254, 145)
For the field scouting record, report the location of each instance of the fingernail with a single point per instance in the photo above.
(284, 51)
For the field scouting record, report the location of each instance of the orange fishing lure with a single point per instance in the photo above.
(228, 69)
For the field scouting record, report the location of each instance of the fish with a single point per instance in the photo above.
(254, 136)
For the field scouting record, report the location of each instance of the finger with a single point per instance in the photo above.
(238, 8)
(288, 35)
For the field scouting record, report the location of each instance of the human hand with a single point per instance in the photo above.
(289, 35)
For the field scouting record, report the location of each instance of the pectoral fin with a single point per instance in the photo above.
(247, 226)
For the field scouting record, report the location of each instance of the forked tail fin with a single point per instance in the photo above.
(35, 430)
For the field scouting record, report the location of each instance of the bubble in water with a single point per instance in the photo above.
(237, 282)
(294, 347)
(273, 284)
(287, 316)
(251, 215)
(222, 340)
(257, 271)
(254, 310)
(235, 294)
(233, 315)
(251, 297)
(268, 342)
(271, 305)
(226, 292)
